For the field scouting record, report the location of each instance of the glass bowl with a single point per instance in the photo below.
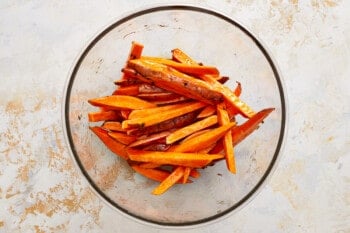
(207, 36)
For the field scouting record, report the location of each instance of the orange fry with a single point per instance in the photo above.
(115, 146)
(203, 140)
(224, 119)
(185, 68)
(207, 111)
(186, 175)
(121, 102)
(139, 113)
(103, 116)
(174, 177)
(187, 130)
(153, 174)
(173, 158)
(163, 116)
(122, 137)
(132, 90)
(113, 126)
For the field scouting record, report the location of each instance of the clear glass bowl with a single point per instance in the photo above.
(215, 40)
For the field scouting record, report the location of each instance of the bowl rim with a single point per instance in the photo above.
(168, 7)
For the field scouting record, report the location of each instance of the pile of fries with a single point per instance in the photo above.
(171, 117)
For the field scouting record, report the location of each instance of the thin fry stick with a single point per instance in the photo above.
(207, 111)
(227, 140)
(163, 116)
(121, 102)
(203, 140)
(195, 160)
(187, 130)
(174, 177)
(185, 68)
(103, 116)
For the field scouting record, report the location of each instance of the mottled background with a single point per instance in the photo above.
(40, 187)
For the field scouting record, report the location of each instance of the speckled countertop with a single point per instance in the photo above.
(40, 187)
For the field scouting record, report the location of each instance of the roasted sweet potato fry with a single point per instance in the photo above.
(231, 98)
(183, 67)
(158, 96)
(187, 130)
(194, 160)
(151, 173)
(146, 140)
(115, 146)
(104, 116)
(113, 126)
(172, 179)
(207, 111)
(203, 140)
(121, 102)
(242, 131)
(154, 174)
(132, 90)
(154, 111)
(186, 174)
(122, 137)
(175, 81)
(176, 122)
(224, 119)
(135, 52)
(163, 116)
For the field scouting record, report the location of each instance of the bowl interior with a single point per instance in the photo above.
(208, 37)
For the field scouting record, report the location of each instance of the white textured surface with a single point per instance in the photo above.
(40, 189)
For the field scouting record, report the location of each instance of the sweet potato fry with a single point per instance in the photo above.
(186, 174)
(103, 116)
(182, 67)
(177, 100)
(194, 160)
(122, 137)
(163, 116)
(174, 177)
(153, 174)
(242, 131)
(149, 139)
(113, 126)
(185, 131)
(124, 82)
(207, 111)
(224, 119)
(139, 113)
(203, 140)
(132, 90)
(231, 98)
(158, 96)
(156, 147)
(176, 122)
(115, 146)
(135, 52)
(207, 149)
(121, 102)
(148, 88)
(194, 135)
(172, 80)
